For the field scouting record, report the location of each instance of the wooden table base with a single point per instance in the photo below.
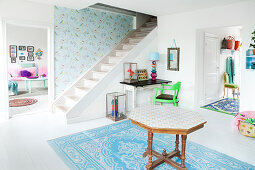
(166, 157)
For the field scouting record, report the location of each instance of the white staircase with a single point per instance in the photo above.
(82, 87)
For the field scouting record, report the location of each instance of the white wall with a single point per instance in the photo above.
(27, 36)
(183, 27)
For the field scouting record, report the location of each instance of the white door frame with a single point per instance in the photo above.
(217, 60)
(50, 52)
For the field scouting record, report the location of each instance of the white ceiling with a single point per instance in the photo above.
(152, 7)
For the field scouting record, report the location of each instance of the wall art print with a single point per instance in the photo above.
(82, 37)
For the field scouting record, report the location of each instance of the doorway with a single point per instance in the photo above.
(221, 66)
(29, 72)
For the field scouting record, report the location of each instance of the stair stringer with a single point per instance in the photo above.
(77, 113)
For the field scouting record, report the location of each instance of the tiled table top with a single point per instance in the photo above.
(167, 116)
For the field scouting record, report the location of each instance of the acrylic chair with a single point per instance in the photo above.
(168, 98)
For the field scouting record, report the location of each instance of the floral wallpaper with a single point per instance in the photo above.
(81, 38)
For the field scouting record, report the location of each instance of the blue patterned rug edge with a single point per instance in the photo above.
(66, 160)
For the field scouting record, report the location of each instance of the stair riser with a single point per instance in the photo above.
(121, 54)
(98, 76)
(149, 29)
(106, 68)
(114, 60)
(134, 40)
(128, 47)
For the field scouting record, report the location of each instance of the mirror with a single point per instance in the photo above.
(173, 55)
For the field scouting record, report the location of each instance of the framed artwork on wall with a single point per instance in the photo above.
(30, 48)
(22, 48)
(30, 54)
(173, 58)
(30, 58)
(13, 60)
(22, 57)
(13, 51)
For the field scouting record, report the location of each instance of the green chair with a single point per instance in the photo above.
(227, 86)
(168, 98)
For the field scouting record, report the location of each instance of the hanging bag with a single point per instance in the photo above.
(230, 42)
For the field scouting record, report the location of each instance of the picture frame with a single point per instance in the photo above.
(22, 48)
(30, 58)
(13, 51)
(173, 58)
(13, 60)
(30, 54)
(30, 48)
(142, 74)
(22, 57)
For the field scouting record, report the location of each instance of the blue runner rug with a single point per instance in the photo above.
(121, 145)
(227, 106)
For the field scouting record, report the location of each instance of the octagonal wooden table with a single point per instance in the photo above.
(166, 119)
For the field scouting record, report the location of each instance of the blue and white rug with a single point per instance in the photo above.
(120, 146)
(226, 105)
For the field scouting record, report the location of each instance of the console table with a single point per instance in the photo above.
(132, 87)
(166, 119)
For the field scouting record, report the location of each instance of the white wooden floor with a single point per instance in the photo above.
(23, 139)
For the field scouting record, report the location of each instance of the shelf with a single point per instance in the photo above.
(227, 51)
(252, 56)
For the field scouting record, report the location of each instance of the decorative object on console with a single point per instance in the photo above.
(116, 106)
(38, 54)
(22, 48)
(154, 56)
(30, 48)
(25, 73)
(129, 70)
(13, 51)
(142, 75)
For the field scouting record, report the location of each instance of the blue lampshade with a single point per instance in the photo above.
(154, 56)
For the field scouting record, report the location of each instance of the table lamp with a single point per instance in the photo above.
(154, 56)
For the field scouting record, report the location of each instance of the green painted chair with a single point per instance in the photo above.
(168, 98)
(227, 86)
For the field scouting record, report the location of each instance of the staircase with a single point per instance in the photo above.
(84, 85)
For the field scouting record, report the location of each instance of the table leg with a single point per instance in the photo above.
(26, 84)
(134, 96)
(30, 88)
(184, 137)
(150, 139)
(177, 143)
(44, 83)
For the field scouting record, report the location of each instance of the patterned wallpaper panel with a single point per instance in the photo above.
(81, 38)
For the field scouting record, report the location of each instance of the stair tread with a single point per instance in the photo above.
(100, 72)
(63, 108)
(83, 88)
(73, 97)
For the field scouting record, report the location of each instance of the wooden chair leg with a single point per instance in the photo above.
(227, 92)
(233, 91)
(224, 89)
(238, 92)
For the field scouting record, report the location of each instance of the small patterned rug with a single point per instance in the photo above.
(22, 102)
(226, 105)
(121, 145)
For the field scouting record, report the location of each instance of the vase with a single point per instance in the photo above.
(253, 51)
